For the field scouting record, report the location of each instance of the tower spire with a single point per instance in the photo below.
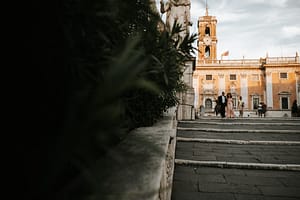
(206, 13)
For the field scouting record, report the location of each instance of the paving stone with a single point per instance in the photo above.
(231, 188)
(291, 181)
(205, 158)
(182, 195)
(184, 169)
(237, 159)
(215, 196)
(279, 198)
(280, 191)
(211, 170)
(271, 173)
(234, 179)
(186, 177)
(184, 187)
(248, 197)
(211, 178)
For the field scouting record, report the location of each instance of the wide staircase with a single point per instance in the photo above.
(242, 158)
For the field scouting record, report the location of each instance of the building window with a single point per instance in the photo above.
(208, 103)
(255, 102)
(284, 97)
(283, 75)
(234, 102)
(284, 103)
(255, 77)
(208, 77)
(232, 77)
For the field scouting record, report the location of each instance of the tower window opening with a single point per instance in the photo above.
(207, 31)
(207, 51)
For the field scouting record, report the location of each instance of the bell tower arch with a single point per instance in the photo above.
(207, 38)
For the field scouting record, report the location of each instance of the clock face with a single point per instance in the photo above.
(207, 40)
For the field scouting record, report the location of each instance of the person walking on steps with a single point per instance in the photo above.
(294, 109)
(222, 101)
(241, 106)
(229, 113)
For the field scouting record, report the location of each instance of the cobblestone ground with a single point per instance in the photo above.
(197, 181)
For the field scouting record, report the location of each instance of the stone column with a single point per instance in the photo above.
(269, 89)
(196, 90)
(298, 86)
(244, 89)
(186, 110)
(221, 84)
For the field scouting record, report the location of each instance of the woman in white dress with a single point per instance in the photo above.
(229, 113)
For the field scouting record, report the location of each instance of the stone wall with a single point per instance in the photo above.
(142, 166)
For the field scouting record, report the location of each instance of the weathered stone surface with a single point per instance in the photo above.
(141, 166)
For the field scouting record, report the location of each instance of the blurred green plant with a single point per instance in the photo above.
(117, 72)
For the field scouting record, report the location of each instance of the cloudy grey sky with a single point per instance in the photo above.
(252, 28)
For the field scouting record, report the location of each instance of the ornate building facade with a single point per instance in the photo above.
(274, 81)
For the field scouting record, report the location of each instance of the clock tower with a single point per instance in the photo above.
(207, 38)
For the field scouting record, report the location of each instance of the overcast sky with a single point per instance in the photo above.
(252, 28)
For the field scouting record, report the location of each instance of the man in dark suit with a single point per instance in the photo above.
(222, 101)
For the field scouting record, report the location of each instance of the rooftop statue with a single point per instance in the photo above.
(177, 10)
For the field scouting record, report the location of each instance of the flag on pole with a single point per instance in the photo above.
(226, 53)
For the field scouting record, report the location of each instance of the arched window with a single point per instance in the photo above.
(207, 31)
(208, 103)
(207, 52)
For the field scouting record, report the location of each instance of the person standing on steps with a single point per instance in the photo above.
(222, 100)
(229, 113)
(260, 109)
(241, 106)
(294, 109)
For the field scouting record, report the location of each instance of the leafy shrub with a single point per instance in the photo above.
(106, 70)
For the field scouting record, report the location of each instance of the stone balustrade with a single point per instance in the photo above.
(268, 60)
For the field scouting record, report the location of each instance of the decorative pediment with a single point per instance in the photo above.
(254, 94)
(284, 93)
(208, 86)
(210, 92)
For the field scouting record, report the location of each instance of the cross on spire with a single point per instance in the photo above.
(206, 8)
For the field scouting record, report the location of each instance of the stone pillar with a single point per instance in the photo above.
(269, 89)
(186, 110)
(244, 89)
(221, 84)
(298, 86)
(196, 90)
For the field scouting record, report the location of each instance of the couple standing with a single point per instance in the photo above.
(226, 101)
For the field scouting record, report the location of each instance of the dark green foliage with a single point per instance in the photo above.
(103, 69)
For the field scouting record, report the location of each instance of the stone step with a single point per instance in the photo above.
(239, 165)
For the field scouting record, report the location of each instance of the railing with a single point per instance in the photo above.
(231, 62)
(279, 60)
(269, 60)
